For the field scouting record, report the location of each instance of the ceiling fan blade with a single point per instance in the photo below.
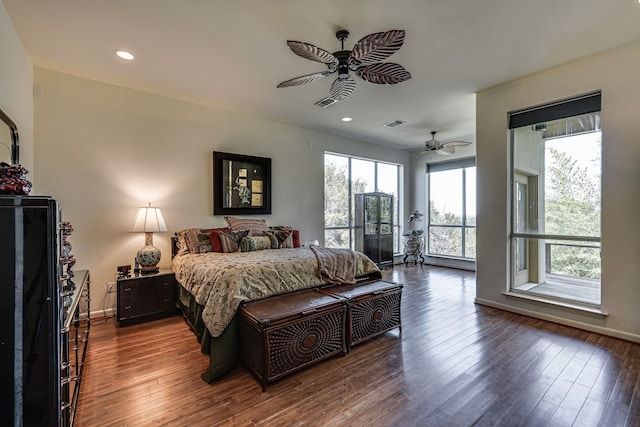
(456, 144)
(445, 151)
(377, 47)
(342, 87)
(383, 73)
(311, 52)
(297, 81)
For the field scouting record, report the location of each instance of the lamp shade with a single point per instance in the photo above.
(149, 220)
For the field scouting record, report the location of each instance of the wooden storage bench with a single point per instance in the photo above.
(373, 309)
(285, 333)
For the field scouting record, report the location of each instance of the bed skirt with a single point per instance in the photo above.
(222, 350)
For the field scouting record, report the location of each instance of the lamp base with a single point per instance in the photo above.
(148, 258)
(149, 270)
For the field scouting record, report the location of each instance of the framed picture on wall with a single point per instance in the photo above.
(241, 184)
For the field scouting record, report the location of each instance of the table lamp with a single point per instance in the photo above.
(148, 220)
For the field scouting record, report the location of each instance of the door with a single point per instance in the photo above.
(526, 221)
(521, 225)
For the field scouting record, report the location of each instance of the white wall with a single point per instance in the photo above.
(104, 150)
(615, 73)
(16, 81)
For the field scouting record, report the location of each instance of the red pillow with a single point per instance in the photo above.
(214, 236)
(296, 238)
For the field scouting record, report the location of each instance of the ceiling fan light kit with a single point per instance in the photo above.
(364, 60)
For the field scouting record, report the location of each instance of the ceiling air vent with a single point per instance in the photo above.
(394, 123)
(325, 102)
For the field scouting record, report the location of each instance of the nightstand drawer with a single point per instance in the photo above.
(136, 307)
(139, 288)
(144, 298)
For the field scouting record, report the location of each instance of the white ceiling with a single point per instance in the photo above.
(232, 54)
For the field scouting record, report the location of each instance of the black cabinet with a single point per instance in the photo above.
(40, 296)
(374, 227)
(146, 297)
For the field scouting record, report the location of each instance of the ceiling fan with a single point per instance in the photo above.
(364, 59)
(442, 148)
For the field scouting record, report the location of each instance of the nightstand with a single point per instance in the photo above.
(145, 297)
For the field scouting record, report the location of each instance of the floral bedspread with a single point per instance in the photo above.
(221, 281)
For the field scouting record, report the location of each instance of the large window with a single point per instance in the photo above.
(345, 176)
(556, 193)
(452, 209)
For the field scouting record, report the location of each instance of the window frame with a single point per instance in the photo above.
(397, 229)
(462, 165)
(589, 103)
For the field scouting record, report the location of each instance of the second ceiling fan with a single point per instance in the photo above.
(364, 59)
(442, 148)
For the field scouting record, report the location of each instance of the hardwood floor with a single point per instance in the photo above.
(455, 364)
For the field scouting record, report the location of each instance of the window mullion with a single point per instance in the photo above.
(464, 212)
(350, 203)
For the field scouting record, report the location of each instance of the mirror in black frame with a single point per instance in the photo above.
(9, 146)
(12, 175)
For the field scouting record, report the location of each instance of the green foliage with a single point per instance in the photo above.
(572, 208)
(337, 238)
(575, 261)
(572, 198)
(442, 218)
(444, 240)
(336, 203)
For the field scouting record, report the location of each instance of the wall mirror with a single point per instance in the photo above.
(9, 147)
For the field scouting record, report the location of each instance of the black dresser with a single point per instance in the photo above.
(44, 313)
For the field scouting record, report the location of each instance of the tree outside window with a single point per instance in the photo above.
(452, 212)
(345, 176)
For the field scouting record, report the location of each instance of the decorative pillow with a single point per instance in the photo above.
(182, 245)
(214, 236)
(280, 227)
(197, 241)
(273, 241)
(257, 226)
(295, 235)
(231, 240)
(284, 235)
(258, 243)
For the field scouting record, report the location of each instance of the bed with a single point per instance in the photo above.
(213, 282)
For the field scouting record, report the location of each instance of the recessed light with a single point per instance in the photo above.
(346, 119)
(125, 55)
